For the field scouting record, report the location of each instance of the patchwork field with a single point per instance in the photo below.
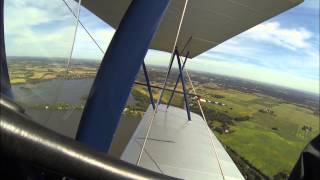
(263, 133)
(266, 132)
(36, 71)
(271, 136)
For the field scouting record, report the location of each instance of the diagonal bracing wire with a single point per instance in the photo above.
(77, 17)
(102, 51)
(75, 34)
(59, 89)
(155, 111)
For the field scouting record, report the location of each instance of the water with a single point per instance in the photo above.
(72, 91)
(36, 96)
(53, 91)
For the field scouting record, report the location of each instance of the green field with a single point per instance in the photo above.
(270, 141)
(267, 134)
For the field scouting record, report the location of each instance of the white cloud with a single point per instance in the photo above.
(26, 13)
(57, 44)
(236, 49)
(49, 28)
(271, 46)
(236, 46)
(272, 32)
(30, 31)
(270, 53)
(85, 48)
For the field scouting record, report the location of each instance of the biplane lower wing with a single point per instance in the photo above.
(180, 148)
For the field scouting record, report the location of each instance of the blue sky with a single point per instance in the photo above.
(283, 50)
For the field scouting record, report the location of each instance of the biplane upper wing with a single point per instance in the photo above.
(207, 22)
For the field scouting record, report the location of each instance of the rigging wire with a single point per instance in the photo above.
(155, 111)
(205, 121)
(74, 37)
(77, 16)
(71, 53)
(164, 85)
(102, 51)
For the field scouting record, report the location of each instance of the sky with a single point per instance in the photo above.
(282, 51)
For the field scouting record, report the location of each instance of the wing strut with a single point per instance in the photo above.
(148, 84)
(181, 77)
(177, 81)
(183, 85)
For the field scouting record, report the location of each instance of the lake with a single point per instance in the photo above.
(66, 122)
(54, 91)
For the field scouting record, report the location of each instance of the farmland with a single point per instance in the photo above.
(33, 71)
(263, 127)
(266, 131)
(270, 141)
